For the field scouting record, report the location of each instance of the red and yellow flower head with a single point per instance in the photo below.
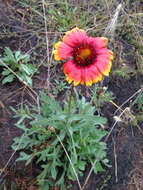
(86, 58)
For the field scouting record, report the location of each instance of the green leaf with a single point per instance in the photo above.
(23, 127)
(54, 172)
(17, 55)
(25, 157)
(51, 104)
(61, 180)
(44, 155)
(21, 142)
(28, 80)
(61, 137)
(26, 68)
(9, 61)
(24, 58)
(8, 79)
(42, 121)
(81, 165)
(98, 167)
(6, 72)
(46, 185)
(25, 78)
(9, 53)
(96, 120)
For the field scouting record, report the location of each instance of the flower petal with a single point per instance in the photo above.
(90, 75)
(56, 55)
(73, 72)
(75, 37)
(95, 74)
(98, 42)
(82, 75)
(104, 65)
(62, 51)
(105, 52)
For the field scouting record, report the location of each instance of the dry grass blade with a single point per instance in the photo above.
(47, 43)
(70, 162)
(110, 29)
(89, 174)
(6, 165)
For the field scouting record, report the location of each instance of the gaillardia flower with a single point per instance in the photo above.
(86, 59)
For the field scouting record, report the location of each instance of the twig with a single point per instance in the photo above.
(139, 91)
(89, 174)
(70, 162)
(115, 157)
(47, 43)
(120, 108)
(110, 29)
(113, 126)
(11, 156)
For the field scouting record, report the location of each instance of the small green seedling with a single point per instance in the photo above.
(15, 65)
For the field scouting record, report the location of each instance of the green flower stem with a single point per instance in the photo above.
(70, 99)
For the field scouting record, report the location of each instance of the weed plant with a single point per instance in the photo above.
(15, 65)
(63, 139)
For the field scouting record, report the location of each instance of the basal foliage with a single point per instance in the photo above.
(63, 140)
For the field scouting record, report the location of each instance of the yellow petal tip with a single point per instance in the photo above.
(105, 39)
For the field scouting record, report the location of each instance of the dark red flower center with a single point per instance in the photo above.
(84, 55)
